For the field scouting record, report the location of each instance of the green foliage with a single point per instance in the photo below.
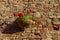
(25, 17)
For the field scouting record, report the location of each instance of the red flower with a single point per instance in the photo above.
(15, 14)
(30, 10)
(20, 14)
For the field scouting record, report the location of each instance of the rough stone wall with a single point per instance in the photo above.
(49, 17)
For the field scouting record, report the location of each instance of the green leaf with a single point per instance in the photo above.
(25, 17)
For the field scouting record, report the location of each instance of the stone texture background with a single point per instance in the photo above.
(49, 17)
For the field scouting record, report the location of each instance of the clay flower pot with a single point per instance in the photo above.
(22, 23)
(25, 23)
(23, 20)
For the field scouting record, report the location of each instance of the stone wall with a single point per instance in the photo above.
(48, 12)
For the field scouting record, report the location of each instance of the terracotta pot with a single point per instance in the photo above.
(21, 23)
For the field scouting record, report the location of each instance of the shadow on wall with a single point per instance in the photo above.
(15, 27)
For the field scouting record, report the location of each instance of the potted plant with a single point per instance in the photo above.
(23, 20)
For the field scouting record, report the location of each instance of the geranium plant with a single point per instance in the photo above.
(24, 17)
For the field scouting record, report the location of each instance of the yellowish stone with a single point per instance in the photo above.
(58, 16)
(52, 17)
(37, 14)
